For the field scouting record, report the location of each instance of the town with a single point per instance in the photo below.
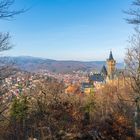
(78, 82)
(67, 71)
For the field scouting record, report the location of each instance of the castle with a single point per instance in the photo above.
(105, 73)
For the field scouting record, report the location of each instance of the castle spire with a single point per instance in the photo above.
(111, 56)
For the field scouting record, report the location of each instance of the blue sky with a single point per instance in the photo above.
(69, 29)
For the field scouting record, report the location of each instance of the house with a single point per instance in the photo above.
(87, 88)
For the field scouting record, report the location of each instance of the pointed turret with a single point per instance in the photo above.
(104, 71)
(111, 66)
(111, 56)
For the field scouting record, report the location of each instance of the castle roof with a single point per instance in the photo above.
(111, 56)
(104, 71)
(96, 78)
(86, 85)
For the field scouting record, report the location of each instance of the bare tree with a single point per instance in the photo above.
(5, 9)
(5, 42)
(7, 13)
(132, 61)
(134, 13)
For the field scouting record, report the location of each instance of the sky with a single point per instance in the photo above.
(83, 30)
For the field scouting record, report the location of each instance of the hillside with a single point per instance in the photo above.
(34, 64)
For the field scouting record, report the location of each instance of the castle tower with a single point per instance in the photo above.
(111, 66)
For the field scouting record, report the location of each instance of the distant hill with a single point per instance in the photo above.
(34, 64)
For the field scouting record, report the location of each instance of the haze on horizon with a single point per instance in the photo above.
(69, 29)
